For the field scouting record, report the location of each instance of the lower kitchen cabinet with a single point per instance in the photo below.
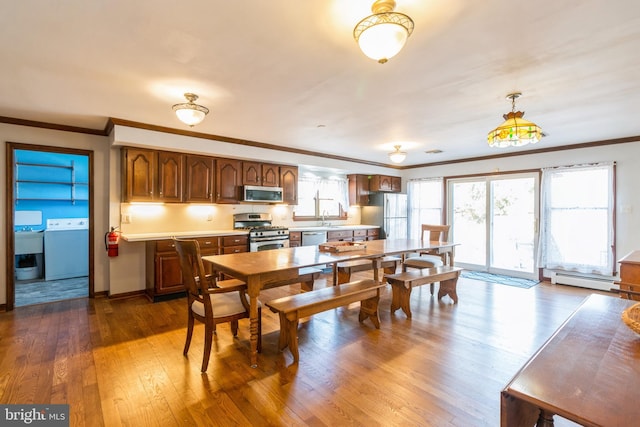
(163, 272)
(340, 236)
(234, 244)
(295, 239)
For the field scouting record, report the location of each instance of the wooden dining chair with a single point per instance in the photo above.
(211, 301)
(430, 259)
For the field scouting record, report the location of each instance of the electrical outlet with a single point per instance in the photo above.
(126, 218)
(209, 217)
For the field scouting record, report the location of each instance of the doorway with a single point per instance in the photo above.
(49, 203)
(495, 220)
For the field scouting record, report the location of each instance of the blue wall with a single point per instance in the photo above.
(54, 198)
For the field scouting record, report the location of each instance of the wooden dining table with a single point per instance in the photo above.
(587, 372)
(267, 269)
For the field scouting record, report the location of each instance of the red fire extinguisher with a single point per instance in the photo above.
(111, 242)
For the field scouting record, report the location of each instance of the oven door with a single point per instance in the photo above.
(266, 245)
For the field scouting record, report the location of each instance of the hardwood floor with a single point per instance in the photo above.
(119, 362)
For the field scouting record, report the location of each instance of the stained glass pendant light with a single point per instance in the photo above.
(515, 131)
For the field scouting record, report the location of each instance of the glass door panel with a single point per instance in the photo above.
(513, 228)
(469, 229)
(494, 220)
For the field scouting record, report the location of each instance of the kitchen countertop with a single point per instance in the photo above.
(333, 227)
(143, 237)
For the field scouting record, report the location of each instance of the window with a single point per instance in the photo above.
(322, 197)
(425, 204)
(577, 218)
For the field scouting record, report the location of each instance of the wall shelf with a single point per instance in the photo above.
(60, 182)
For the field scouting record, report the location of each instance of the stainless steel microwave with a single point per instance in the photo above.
(254, 193)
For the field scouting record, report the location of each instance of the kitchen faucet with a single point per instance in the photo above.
(324, 223)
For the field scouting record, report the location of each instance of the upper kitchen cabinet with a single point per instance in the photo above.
(139, 181)
(263, 174)
(151, 176)
(385, 183)
(199, 179)
(289, 184)
(358, 190)
(170, 176)
(228, 181)
(396, 184)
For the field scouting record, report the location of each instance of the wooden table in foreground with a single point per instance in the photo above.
(265, 269)
(587, 372)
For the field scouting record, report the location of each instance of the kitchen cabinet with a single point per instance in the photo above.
(373, 233)
(340, 235)
(163, 176)
(295, 239)
(151, 176)
(139, 168)
(170, 176)
(358, 190)
(234, 244)
(162, 267)
(264, 174)
(199, 179)
(359, 235)
(385, 183)
(289, 184)
(396, 184)
(228, 181)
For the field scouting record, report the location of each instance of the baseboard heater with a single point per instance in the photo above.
(603, 283)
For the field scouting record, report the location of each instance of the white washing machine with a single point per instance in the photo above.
(66, 248)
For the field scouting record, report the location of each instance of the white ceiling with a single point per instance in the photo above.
(288, 72)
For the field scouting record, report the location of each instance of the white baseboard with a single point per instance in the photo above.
(602, 283)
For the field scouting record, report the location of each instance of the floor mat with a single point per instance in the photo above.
(500, 279)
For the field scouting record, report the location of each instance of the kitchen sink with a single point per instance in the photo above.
(28, 242)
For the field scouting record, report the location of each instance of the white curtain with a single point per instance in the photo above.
(577, 208)
(424, 198)
(333, 193)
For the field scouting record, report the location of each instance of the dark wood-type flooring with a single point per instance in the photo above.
(119, 362)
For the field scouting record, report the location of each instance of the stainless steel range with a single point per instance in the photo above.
(262, 235)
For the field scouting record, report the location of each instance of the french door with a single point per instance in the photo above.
(495, 221)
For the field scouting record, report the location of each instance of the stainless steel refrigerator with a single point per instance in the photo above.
(389, 211)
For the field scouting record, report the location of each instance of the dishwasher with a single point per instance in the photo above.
(313, 238)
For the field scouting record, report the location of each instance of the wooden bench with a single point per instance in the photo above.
(294, 307)
(344, 269)
(402, 283)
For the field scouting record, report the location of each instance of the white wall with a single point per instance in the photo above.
(100, 147)
(626, 156)
(126, 273)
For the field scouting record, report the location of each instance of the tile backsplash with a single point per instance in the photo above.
(165, 218)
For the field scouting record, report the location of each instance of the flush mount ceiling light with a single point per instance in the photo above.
(515, 131)
(382, 35)
(190, 113)
(397, 156)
